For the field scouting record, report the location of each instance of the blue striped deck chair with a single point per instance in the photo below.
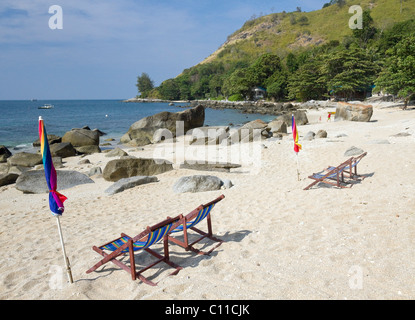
(142, 242)
(190, 221)
(352, 171)
(331, 174)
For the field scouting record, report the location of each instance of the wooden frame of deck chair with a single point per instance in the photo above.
(330, 174)
(352, 170)
(125, 244)
(190, 221)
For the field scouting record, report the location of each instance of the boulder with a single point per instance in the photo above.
(300, 117)
(127, 183)
(278, 126)
(25, 159)
(321, 134)
(146, 127)
(51, 139)
(4, 154)
(251, 131)
(117, 152)
(353, 112)
(197, 183)
(81, 137)
(127, 167)
(309, 136)
(33, 181)
(88, 149)
(63, 150)
(8, 178)
(353, 151)
(209, 135)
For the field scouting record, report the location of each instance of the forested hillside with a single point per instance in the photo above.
(308, 55)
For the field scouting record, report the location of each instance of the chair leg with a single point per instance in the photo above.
(132, 260)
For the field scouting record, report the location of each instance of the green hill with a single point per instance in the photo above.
(291, 39)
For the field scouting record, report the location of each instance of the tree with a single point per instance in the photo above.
(348, 71)
(169, 90)
(307, 82)
(368, 30)
(398, 76)
(144, 84)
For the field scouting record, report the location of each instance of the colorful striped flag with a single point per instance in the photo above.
(56, 199)
(297, 146)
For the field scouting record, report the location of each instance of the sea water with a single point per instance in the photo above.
(19, 118)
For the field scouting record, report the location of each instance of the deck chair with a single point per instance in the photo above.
(352, 170)
(331, 174)
(190, 221)
(142, 242)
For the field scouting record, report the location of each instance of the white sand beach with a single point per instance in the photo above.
(281, 242)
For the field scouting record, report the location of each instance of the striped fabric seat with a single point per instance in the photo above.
(200, 216)
(153, 237)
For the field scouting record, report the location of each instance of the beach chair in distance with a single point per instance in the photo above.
(352, 170)
(331, 174)
(190, 221)
(142, 242)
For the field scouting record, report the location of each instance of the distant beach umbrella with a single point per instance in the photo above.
(297, 146)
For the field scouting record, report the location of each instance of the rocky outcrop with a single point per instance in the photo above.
(81, 137)
(353, 112)
(127, 167)
(147, 127)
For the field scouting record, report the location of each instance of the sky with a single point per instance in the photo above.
(95, 49)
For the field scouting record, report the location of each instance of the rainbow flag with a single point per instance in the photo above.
(297, 146)
(56, 199)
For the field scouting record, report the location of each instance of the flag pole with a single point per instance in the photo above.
(68, 266)
(298, 171)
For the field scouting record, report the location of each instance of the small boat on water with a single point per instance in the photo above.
(46, 106)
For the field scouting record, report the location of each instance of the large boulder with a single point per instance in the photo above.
(147, 127)
(62, 149)
(51, 139)
(353, 112)
(209, 135)
(249, 132)
(25, 159)
(127, 167)
(127, 183)
(300, 118)
(81, 137)
(197, 183)
(33, 181)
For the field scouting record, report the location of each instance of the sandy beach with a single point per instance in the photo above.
(281, 242)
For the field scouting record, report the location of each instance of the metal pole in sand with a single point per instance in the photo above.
(68, 267)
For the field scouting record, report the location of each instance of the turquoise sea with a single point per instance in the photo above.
(19, 119)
